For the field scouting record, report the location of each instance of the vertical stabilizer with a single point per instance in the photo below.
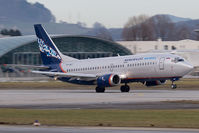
(50, 54)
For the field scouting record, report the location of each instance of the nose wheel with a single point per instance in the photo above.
(173, 86)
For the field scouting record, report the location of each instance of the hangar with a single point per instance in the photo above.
(24, 49)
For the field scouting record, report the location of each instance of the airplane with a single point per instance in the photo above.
(149, 69)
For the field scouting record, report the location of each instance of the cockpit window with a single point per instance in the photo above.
(177, 59)
(180, 60)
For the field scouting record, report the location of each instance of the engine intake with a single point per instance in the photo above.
(108, 80)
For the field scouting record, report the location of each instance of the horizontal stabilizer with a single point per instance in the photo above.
(27, 66)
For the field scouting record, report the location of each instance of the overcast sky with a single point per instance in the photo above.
(115, 13)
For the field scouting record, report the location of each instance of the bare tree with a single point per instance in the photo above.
(101, 32)
(136, 20)
(138, 28)
(164, 27)
(197, 32)
(197, 36)
(183, 32)
(147, 29)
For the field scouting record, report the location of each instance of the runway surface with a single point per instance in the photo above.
(24, 129)
(86, 99)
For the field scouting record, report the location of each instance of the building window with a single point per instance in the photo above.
(156, 47)
(166, 47)
(173, 47)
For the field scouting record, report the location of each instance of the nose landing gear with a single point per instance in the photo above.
(173, 86)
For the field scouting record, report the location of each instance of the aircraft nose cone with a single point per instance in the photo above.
(188, 68)
(183, 69)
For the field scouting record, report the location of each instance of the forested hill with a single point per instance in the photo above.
(23, 11)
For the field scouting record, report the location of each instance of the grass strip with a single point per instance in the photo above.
(103, 117)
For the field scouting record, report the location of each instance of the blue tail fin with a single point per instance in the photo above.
(49, 52)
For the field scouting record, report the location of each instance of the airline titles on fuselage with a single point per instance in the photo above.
(140, 58)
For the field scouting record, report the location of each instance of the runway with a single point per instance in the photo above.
(86, 99)
(26, 129)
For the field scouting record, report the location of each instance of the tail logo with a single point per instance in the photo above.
(47, 50)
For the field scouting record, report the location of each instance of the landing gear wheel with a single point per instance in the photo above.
(100, 89)
(173, 86)
(125, 88)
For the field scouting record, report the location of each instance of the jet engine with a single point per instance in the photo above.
(154, 83)
(108, 80)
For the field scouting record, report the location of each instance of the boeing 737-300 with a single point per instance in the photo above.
(149, 69)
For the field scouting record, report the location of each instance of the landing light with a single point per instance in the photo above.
(122, 76)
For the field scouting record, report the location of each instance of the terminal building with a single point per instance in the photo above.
(189, 49)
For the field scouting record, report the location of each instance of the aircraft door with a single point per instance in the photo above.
(161, 63)
(111, 67)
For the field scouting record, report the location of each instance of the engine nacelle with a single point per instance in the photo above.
(154, 83)
(108, 80)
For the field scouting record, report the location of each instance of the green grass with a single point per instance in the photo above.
(103, 117)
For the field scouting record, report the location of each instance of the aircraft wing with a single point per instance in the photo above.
(77, 75)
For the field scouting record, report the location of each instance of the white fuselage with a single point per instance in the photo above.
(150, 69)
(133, 66)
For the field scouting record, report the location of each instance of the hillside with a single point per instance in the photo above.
(22, 15)
(22, 11)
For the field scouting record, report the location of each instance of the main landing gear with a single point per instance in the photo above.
(100, 89)
(125, 88)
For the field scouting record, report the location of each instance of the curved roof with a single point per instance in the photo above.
(10, 43)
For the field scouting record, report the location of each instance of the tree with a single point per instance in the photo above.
(197, 32)
(11, 32)
(139, 28)
(164, 27)
(144, 28)
(183, 32)
(197, 36)
(102, 32)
